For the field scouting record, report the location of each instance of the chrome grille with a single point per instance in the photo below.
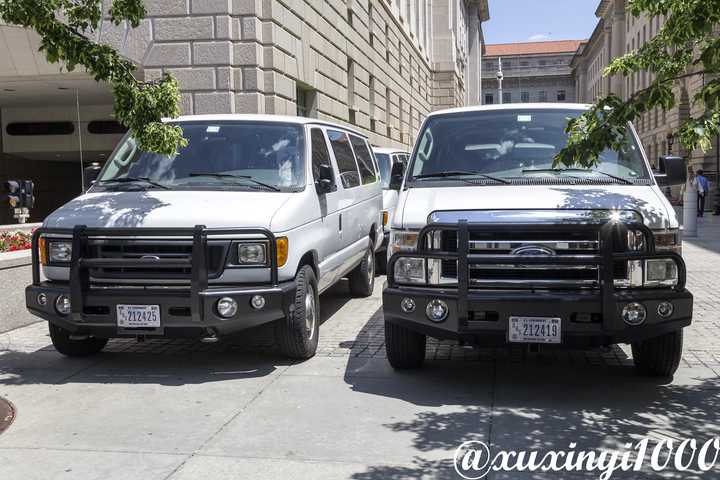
(509, 240)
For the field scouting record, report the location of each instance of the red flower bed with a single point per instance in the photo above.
(14, 241)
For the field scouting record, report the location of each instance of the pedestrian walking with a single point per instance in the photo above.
(702, 185)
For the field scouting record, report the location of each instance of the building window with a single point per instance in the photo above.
(542, 63)
(525, 97)
(488, 99)
(542, 96)
(507, 97)
(561, 95)
(524, 63)
(305, 101)
(40, 128)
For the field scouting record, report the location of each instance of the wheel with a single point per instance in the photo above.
(404, 348)
(75, 348)
(381, 262)
(298, 335)
(362, 279)
(659, 356)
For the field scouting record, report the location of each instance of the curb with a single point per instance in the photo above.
(20, 258)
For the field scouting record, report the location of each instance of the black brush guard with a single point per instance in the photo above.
(611, 235)
(81, 263)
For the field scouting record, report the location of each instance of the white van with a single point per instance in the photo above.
(390, 160)
(492, 245)
(246, 225)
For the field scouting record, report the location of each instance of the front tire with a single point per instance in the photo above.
(659, 356)
(362, 279)
(297, 335)
(405, 348)
(75, 348)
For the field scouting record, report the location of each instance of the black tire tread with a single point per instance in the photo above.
(405, 348)
(75, 348)
(290, 333)
(659, 356)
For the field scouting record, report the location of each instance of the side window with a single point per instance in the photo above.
(320, 153)
(365, 163)
(345, 158)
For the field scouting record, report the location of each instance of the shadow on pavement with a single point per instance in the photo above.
(535, 402)
(250, 354)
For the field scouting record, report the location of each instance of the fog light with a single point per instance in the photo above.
(227, 307)
(257, 302)
(41, 299)
(665, 309)
(407, 305)
(62, 305)
(437, 310)
(634, 314)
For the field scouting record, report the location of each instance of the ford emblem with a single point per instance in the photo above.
(533, 250)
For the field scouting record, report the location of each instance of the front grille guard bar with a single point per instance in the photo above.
(80, 264)
(611, 250)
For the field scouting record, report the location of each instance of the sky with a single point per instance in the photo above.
(539, 20)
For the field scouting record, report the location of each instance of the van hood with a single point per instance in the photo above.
(177, 209)
(648, 201)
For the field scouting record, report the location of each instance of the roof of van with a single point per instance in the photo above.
(237, 117)
(389, 150)
(513, 106)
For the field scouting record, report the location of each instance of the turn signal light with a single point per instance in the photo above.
(42, 250)
(282, 251)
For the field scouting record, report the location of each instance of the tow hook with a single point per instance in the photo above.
(210, 338)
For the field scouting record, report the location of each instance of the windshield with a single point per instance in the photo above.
(512, 143)
(385, 168)
(252, 155)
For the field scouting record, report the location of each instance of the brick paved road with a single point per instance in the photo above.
(180, 410)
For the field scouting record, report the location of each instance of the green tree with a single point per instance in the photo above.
(65, 28)
(685, 46)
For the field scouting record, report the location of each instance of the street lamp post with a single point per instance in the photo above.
(500, 77)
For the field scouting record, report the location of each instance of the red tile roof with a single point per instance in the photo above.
(532, 48)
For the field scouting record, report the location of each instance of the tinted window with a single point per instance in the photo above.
(385, 168)
(320, 153)
(511, 143)
(345, 158)
(365, 161)
(238, 154)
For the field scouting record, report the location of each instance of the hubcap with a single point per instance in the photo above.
(371, 266)
(310, 313)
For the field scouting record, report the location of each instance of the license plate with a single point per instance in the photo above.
(138, 316)
(534, 330)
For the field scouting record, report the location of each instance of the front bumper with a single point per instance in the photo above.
(99, 314)
(571, 306)
(189, 311)
(589, 316)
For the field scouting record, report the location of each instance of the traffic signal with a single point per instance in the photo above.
(14, 194)
(20, 193)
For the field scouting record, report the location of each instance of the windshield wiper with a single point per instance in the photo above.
(462, 173)
(242, 177)
(135, 180)
(558, 170)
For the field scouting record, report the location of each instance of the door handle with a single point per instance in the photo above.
(340, 222)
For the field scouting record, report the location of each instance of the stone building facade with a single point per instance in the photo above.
(617, 33)
(380, 65)
(533, 72)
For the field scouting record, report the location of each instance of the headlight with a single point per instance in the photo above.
(661, 273)
(668, 241)
(402, 241)
(59, 252)
(410, 270)
(251, 254)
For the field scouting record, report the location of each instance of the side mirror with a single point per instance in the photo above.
(325, 181)
(396, 175)
(90, 174)
(671, 171)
